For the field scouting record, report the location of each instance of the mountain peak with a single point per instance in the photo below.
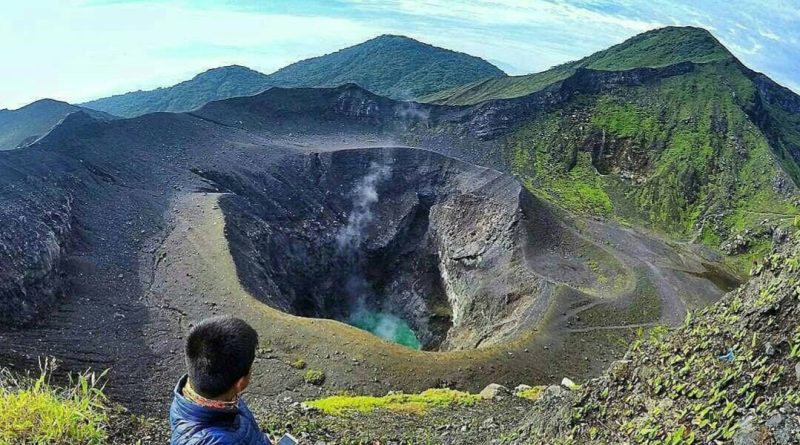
(42, 103)
(31, 121)
(660, 47)
(651, 49)
(229, 70)
(391, 65)
(395, 39)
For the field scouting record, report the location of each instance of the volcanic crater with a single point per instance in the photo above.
(298, 220)
(452, 249)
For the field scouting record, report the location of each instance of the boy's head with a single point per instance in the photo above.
(219, 354)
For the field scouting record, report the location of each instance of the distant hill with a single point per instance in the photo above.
(214, 84)
(393, 66)
(23, 125)
(657, 48)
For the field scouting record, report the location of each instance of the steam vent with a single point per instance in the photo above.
(393, 236)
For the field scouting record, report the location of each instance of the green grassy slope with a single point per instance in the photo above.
(393, 66)
(708, 152)
(660, 47)
(680, 155)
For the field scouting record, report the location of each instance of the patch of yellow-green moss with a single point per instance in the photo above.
(410, 403)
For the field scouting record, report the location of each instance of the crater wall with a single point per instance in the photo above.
(442, 244)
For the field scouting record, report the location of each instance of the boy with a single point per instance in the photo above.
(207, 408)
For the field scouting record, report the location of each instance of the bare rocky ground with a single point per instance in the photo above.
(489, 421)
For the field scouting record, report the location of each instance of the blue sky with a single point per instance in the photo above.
(76, 50)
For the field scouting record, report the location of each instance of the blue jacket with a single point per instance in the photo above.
(193, 424)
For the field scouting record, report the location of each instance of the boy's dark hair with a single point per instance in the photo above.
(219, 351)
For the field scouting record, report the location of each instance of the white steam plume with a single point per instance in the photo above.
(365, 195)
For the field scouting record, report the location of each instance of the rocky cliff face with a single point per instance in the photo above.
(35, 237)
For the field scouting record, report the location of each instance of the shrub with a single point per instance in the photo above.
(314, 377)
(34, 412)
(299, 364)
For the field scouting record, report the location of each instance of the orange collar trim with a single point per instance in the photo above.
(196, 398)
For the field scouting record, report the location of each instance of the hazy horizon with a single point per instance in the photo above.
(79, 50)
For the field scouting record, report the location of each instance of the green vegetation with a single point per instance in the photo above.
(407, 403)
(34, 412)
(392, 66)
(214, 84)
(660, 47)
(499, 87)
(693, 155)
(299, 364)
(531, 394)
(314, 377)
(657, 48)
(681, 155)
(698, 383)
(551, 168)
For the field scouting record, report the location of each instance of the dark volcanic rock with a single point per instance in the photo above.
(35, 235)
(440, 244)
(21, 127)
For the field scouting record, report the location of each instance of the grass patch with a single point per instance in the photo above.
(314, 377)
(532, 393)
(408, 403)
(32, 411)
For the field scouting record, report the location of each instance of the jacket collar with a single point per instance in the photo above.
(189, 410)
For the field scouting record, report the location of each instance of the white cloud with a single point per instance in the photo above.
(769, 34)
(77, 53)
(77, 49)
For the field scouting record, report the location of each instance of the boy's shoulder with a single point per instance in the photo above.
(187, 430)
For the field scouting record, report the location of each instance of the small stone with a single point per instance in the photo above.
(769, 349)
(775, 421)
(569, 384)
(521, 388)
(797, 371)
(494, 391)
(619, 370)
(464, 428)
(746, 433)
